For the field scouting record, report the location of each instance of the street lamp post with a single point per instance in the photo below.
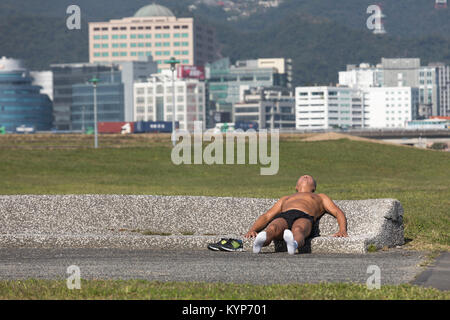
(173, 63)
(82, 120)
(94, 82)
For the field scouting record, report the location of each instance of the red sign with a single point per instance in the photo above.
(191, 72)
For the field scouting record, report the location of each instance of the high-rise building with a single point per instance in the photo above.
(110, 101)
(409, 73)
(271, 108)
(153, 31)
(154, 100)
(65, 76)
(21, 102)
(224, 80)
(443, 76)
(328, 107)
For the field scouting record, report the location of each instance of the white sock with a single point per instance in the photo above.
(288, 237)
(259, 241)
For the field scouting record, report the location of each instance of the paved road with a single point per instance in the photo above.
(396, 266)
(437, 275)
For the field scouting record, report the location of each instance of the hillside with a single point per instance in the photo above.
(320, 36)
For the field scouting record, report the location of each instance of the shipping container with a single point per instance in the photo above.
(154, 126)
(115, 127)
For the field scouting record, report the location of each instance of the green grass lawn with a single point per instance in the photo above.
(141, 289)
(344, 169)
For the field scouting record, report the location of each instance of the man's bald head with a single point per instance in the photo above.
(306, 183)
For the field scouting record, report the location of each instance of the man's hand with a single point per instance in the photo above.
(334, 210)
(340, 234)
(250, 234)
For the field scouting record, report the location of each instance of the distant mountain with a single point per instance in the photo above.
(321, 36)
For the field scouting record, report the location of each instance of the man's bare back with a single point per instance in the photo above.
(308, 208)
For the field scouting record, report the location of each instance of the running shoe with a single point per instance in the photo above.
(217, 246)
(231, 245)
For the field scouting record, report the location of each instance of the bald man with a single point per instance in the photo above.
(292, 217)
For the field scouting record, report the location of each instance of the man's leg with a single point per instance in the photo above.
(301, 229)
(274, 231)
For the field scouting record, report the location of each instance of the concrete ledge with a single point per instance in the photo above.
(107, 221)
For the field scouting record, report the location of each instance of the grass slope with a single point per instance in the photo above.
(344, 169)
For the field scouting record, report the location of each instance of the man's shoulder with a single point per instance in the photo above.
(323, 196)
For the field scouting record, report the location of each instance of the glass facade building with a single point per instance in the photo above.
(64, 77)
(21, 103)
(110, 101)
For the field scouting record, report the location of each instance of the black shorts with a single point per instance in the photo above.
(292, 215)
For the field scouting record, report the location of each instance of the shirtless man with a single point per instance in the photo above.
(292, 217)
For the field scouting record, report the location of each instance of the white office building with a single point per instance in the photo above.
(328, 107)
(343, 107)
(154, 100)
(390, 107)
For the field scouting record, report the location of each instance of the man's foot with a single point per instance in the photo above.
(259, 242)
(231, 245)
(291, 244)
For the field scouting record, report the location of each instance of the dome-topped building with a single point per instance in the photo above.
(153, 31)
(154, 10)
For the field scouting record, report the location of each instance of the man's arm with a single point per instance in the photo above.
(334, 210)
(264, 219)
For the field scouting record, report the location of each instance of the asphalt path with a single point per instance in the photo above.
(437, 275)
(396, 266)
